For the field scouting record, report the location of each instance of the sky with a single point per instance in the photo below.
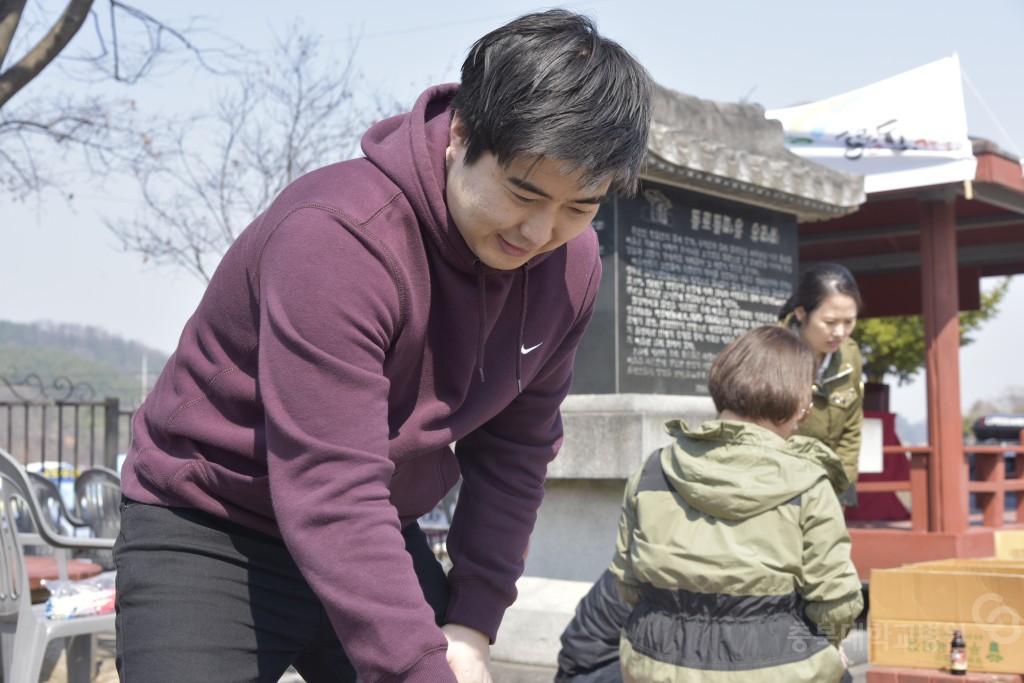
(61, 264)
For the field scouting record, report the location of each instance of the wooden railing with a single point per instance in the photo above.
(917, 483)
(990, 483)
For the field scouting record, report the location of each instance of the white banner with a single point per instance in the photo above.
(909, 130)
(871, 458)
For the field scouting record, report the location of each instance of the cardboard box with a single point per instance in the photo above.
(994, 649)
(977, 565)
(1009, 544)
(946, 596)
(915, 608)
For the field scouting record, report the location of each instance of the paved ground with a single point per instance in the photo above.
(855, 646)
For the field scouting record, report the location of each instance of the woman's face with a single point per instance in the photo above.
(825, 328)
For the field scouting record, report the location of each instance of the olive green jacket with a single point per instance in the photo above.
(733, 547)
(838, 413)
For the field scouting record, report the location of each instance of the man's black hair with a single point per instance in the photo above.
(547, 85)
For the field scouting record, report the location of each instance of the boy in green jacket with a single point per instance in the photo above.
(732, 545)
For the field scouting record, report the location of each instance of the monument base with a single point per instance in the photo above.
(607, 438)
(532, 626)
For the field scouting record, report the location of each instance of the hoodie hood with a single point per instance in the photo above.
(411, 150)
(735, 470)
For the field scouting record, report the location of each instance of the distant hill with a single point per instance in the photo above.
(110, 365)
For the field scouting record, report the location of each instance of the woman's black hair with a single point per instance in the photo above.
(819, 282)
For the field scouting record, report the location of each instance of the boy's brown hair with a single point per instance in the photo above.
(765, 374)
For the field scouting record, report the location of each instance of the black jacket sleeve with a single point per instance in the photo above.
(591, 640)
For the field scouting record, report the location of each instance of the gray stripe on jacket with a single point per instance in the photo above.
(718, 632)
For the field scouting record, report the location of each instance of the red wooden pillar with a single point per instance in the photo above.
(948, 480)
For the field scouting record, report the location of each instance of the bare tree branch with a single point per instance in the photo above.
(101, 132)
(287, 114)
(114, 58)
(35, 140)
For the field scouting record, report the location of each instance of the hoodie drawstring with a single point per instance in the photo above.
(522, 328)
(482, 289)
(481, 328)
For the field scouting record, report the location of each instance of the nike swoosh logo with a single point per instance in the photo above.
(525, 350)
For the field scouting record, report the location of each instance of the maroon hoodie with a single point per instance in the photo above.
(347, 338)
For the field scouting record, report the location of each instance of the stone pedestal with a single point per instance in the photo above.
(607, 437)
(531, 630)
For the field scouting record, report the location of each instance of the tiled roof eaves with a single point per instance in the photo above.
(732, 150)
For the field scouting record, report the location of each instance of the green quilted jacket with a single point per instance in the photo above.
(838, 413)
(733, 549)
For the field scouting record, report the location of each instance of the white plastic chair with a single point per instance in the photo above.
(98, 506)
(24, 627)
(51, 502)
(56, 515)
(98, 499)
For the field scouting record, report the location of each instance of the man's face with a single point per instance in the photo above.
(509, 215)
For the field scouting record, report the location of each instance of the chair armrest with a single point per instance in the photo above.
(45, 537)
(47, 491)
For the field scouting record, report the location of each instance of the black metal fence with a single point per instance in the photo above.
(61, 425)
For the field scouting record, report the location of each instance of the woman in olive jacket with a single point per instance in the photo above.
(732, 545)
(823, 312)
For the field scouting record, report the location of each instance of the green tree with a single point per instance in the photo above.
(894, 346)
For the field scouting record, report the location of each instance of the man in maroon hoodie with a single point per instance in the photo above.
(381, 309)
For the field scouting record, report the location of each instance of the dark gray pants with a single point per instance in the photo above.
(200, 599)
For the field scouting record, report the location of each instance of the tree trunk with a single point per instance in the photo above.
(876, 397)
(42, 53)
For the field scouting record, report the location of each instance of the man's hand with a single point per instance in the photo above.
(469, 653)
